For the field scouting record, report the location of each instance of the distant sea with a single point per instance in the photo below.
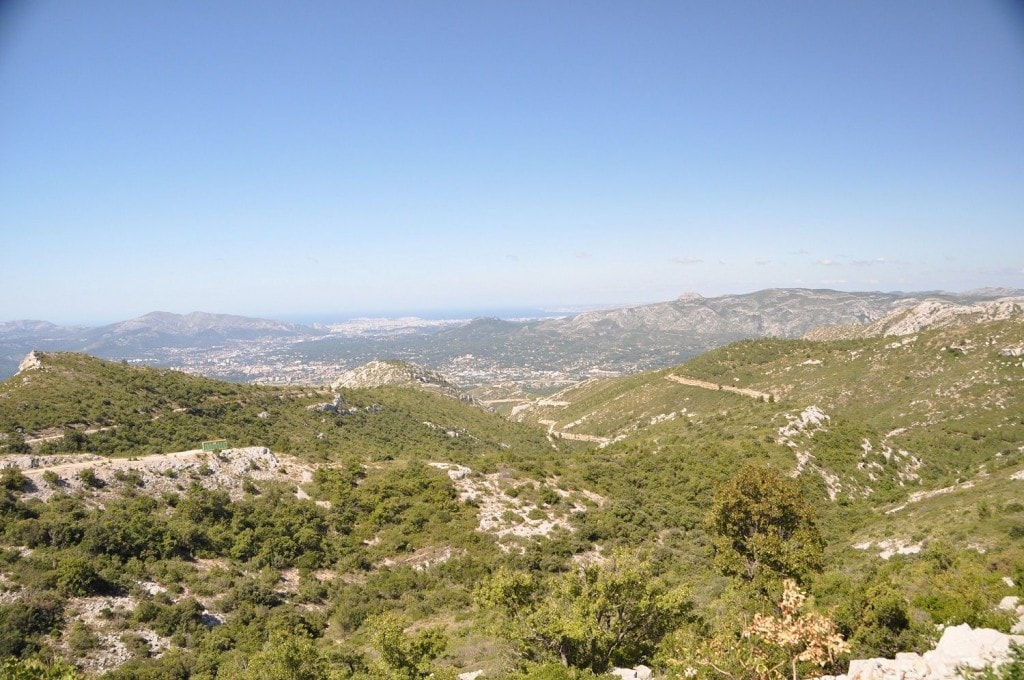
(432, 315)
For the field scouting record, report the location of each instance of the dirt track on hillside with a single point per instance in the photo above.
(714, 386)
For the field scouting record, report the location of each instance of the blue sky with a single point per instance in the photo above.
(314, 158)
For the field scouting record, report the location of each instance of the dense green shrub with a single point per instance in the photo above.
(34, 669)
(76, 576)
(24, 620)
(13, 479)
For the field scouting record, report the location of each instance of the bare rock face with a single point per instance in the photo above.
(916, 316)
(938, 314)
(31, 362)
(960, 647)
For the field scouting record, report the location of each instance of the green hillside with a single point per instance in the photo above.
(116, 409)
(395, 533)
(911, 447)
(947, 398)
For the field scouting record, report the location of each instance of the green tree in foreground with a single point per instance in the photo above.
(762, 529)
(33, 669)
(283, 657)
(13, 479)
(592, 617)
(405, 657)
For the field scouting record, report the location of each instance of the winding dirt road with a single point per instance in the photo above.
(714, 386)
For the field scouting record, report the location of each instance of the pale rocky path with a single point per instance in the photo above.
(692, 382)
(574, 436)
(74, 463)
(55, 437)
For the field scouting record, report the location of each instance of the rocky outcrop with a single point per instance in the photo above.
(939, 314)
(961, 647)
(228, 470)
(31, 362)
(400, 374)
(328, 407)
(926, 315)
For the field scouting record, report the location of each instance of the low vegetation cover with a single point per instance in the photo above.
(394, 533)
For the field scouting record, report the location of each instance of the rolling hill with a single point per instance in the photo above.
(333, 508)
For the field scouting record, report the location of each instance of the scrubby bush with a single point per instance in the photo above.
(76, 576)
(13, 479)
(89, 478)
(22, 621)
(34, 669)
(80, 638)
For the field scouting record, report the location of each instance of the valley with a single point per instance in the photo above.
(394, 524)
(493, 358)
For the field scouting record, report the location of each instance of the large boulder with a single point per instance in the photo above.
(960, 647)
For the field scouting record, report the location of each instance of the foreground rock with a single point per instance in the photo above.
(961, 647)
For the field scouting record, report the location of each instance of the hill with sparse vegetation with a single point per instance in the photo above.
(392, 532)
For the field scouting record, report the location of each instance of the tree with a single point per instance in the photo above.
(74, 440)
(34, 669)
(762, 529)
(14, 442)
(884, 626)
(805, 637)
(13, 479)
(25, 619)
(76, 576)
(591, 617)
(401, 656)
(768, 648)
(283, 657)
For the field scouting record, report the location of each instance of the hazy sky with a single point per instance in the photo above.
(302, 158)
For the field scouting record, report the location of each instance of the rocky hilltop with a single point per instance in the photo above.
(395, 373)
(912, 317)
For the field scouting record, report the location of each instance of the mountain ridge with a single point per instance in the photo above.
(222, 321)
(909, 448)
(540, 353)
